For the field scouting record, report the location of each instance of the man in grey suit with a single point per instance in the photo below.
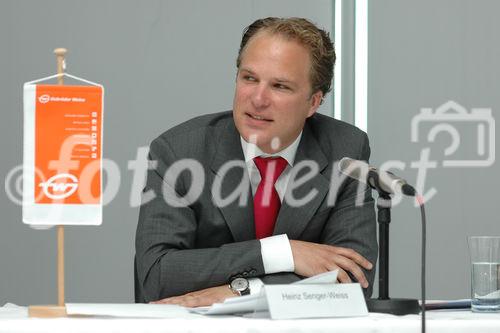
(202, 234)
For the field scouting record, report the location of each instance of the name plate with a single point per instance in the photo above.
(293, 301)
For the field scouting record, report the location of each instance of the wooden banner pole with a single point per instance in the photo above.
(59, 310)
(60, 265)
(60, 54)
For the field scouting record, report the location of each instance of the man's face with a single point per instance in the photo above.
(273, 92)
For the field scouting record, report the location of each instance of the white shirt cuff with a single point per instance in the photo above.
(255, 285)
(277, 254)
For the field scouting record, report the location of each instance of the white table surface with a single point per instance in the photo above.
(14, 319)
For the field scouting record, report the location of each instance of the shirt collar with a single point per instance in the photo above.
(250, 150)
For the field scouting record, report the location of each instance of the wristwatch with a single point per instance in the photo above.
(240, 286)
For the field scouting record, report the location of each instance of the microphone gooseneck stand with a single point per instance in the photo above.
(385, 304)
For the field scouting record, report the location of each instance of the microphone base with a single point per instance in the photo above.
(395, 306)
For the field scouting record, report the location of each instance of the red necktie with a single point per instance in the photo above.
(266, 201)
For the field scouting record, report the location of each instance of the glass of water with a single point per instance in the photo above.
(485, 275)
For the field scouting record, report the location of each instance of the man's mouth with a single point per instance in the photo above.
(256, 117)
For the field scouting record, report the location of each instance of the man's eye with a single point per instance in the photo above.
(249, 78)
(281, 86)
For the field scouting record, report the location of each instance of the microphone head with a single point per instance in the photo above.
(382, 181)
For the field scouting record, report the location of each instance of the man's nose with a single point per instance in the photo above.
(260, 97)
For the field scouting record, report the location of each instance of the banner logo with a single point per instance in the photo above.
(44, 99)
(60, 186)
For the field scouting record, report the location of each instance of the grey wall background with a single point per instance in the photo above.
(422, 54)
(163, 62)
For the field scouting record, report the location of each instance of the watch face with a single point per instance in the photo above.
(239, 284)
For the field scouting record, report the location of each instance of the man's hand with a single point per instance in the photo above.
(311, 259)
(202, 297)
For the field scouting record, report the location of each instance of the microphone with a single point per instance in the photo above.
(382, 181)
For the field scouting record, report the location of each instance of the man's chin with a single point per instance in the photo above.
(265, 144)
(254, 138)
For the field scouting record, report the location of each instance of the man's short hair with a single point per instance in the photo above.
(306, 33)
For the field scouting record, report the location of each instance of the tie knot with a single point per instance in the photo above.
(270, 168)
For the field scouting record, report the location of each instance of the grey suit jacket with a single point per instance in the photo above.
(200, 245)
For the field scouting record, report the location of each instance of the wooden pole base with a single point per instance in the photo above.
(47, 311)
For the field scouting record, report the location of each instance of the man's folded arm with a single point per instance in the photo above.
(177, 272)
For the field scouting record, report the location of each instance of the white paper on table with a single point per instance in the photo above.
(12, 311)
(127, 310)
(257, 302)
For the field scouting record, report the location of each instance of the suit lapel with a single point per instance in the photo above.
(292, 220)
(238, 216)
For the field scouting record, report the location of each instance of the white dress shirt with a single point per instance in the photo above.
(276, 251)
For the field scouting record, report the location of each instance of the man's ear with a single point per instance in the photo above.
(315, 99)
